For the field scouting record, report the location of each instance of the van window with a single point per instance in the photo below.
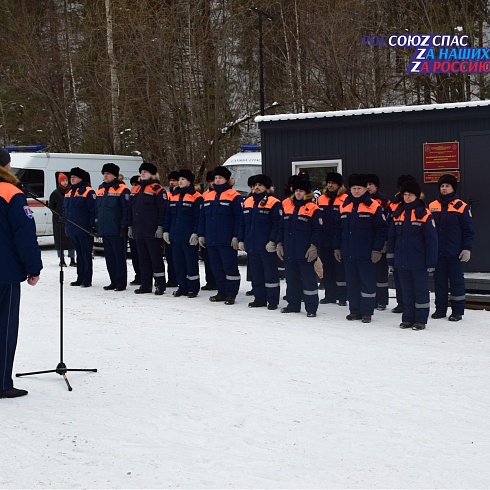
(32, 177)
(241, 173)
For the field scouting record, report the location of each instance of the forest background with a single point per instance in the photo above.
(178, 80)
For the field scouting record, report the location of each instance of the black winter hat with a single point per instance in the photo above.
(112, 168)
(209, 176)
(78, 172)
(302, 184)
(334, 177)
(173, 175)
(357, 180)
(373, 179)
(402, 179)
(187, 174)
(149, 167)
(134, 180)
(222, 172)
(265, 180)
(4, 157)
(448, 179)
(251, 181)
(411, 186)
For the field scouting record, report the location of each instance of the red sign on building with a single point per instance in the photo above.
(433, 177)
(441, 156)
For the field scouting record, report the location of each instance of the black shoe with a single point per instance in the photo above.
(209, 287)
(75, 283)
(178, 293)
(254, 304)
(159, 291)
(217, 298)
(438, 314)
(172, 285)
(342, 303)
(353, 316)
(13, 393)
(326, 301)
(406, 324)
(455, 317)
(73, 263)
(397, 309)
(192, 295)
(272, 307)
(249, 293)
(366, 318)
(311, 315)
(135, 283)
(287, 310)
(110, 287)
(62, 263)
(230, 300)
(381, 307)
(120, 288)
(86, 285)
(418, 326)
(142, 290)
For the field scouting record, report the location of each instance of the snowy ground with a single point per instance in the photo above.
(191, 394)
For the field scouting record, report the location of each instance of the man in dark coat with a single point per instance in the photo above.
(61, 241)
(20, 259)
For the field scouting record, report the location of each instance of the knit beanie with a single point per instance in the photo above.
(62, 176)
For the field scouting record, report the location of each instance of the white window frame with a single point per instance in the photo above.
(337, 163)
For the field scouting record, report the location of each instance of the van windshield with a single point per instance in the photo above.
(33, 178)
(241, 173)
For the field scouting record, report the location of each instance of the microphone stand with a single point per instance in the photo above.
(61, 368)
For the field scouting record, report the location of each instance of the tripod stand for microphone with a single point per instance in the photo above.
(61, 368)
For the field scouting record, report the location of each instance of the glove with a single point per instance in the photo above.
(130, 232)
(375, 256)
(202, 242)
(194, 240)
(123, 232)
(338, 255)
(465, 255)
(234, 243)
(280, 250)
(311, 254)
(430, 269)
(391, 268)
(166, 237)
(159, 232)
(241, 246)
(270, 247)
(385, 246)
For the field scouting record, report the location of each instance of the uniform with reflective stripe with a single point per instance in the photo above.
(455, 230)
(412, 248)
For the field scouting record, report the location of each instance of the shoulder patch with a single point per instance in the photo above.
(28, 212)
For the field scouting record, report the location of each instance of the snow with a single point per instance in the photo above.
(191, 394)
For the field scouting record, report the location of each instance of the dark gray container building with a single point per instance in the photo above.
(388, 141)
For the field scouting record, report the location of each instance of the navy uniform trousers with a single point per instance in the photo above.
(265, 277)
(83, 245)
(301, 283)
(151, 262)
(9, 329)
(171, 272)
(382, 281)
(209, 276)
(186, 264)
(135, 259)
(115, 259)
(224, 263)
(333, 276)
(415, 290)
(361, 285)
(450, 268)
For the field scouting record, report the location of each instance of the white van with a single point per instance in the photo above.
(243, 165)
(39, 171)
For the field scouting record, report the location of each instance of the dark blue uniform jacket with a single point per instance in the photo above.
(112, 208)
(182, 216)
(79, 207)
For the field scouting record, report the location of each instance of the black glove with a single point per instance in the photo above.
(123, 232)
